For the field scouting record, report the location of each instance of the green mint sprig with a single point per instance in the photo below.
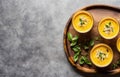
(84, 60)
(75, 47)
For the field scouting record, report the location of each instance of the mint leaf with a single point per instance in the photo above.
(81, 60)
(96, 38)
(76, 56)
(78, 47)
(107, 26)
(86, 47)
(75, 38)
(91, 42)
(73, 43)
(114, 66)
(82, 21)
(109, 23)
(84, 60)
(75, 49)
(87, 61)
(69, 35)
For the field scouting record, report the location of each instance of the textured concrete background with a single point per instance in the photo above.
(31, 37)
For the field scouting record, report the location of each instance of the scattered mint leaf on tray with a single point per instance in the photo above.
(73, 43)
(75, 38)
(114, 66)
(86, 47)
(91, 42)
(84, 60)
(76, 56)
(69, 35)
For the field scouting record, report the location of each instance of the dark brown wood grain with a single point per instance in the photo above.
(98, 12)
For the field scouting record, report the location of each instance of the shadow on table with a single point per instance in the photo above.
(95, 75)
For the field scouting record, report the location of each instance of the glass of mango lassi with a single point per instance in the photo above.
(108, 28)
(101, 55)
(82, 21)
(118, 44)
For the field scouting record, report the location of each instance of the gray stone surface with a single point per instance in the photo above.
(31, 37)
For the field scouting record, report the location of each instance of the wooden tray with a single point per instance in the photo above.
(98, 12)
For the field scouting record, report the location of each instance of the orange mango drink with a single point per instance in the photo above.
(82, 21)
(101, 55)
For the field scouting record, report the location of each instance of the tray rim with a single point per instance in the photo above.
(70, 59)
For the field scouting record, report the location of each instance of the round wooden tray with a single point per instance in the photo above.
(98, 12)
